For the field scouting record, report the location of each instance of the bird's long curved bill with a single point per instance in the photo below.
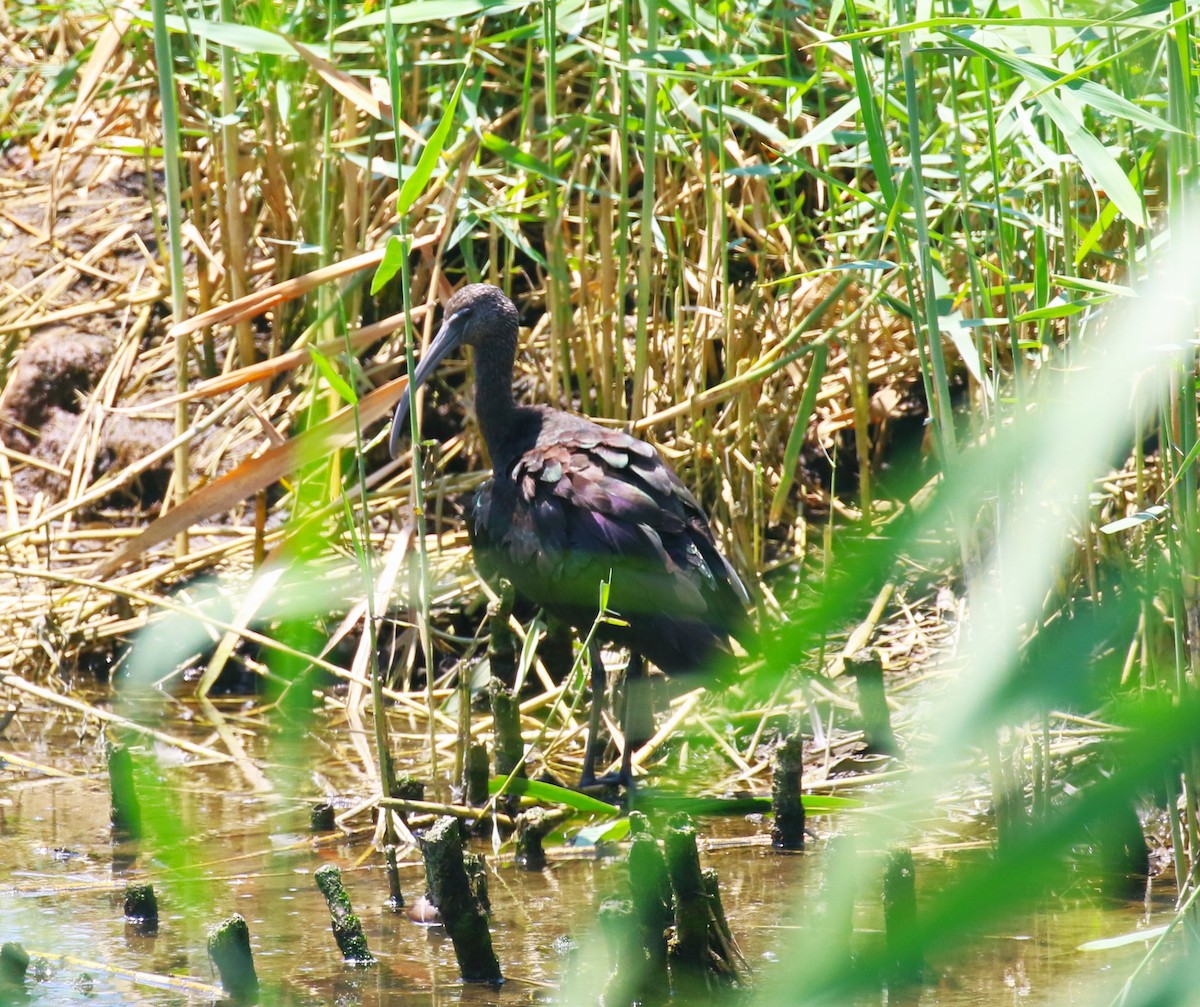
(444, 343)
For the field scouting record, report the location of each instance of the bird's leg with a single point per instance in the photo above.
(599, 681)
(636, 722)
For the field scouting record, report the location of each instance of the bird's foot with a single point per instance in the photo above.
(615, 788)
(588, 781)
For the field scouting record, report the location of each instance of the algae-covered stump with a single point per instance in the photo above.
(533, 825)
(14, 963)
(787, 831)
(321, 817)
(395, 901)
(141, 907)
(650, 890)
(475, 776)
(506, 714)
(687, 951)
(229, 948)
(831, 920)
(407, 787)
(701, 949)
(867, 670)
(502, 650)
(905, 959)
(126, 811)
(347, 927)
(463, 913)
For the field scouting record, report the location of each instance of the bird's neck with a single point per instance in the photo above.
(494, 405)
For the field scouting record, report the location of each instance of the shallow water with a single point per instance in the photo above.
(62, 883)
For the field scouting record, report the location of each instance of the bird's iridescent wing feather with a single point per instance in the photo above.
(584, 503)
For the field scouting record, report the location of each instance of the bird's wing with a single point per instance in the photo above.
(589, 500)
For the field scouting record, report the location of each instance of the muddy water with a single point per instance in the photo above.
(62, 883)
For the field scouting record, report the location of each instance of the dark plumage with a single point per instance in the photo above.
(571, 503)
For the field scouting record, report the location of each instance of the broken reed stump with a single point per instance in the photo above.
(506, 715)
(694, 959)
(14, 963)
(787, 830)
(533, 825)
(463, 914)
(395, 899)
(507, 744)
(141, 908)
(687, 951)
(720, 936)
(906, 962)
(321, 817)
(347, 927)
(126, 811)
(650, 889)
(407, 787)
(502, 649)
(229, 948)
(475, 776)
(867, 669)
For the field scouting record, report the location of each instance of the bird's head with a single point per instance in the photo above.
(478, 315)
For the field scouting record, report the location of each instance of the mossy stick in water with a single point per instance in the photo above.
(651, 892)
(506, 713)
(347, 927)
(141, 907)
(126, 812)
(507, 743)
(502, 656)
(724, 956)
(321, 817)
(905, 959)
(533, 826)
(475, 776)
(787, 832)
(463, 915)
(395, 895)
(867, 670)
(407, 787)
(229, 948)
(14, 963)
(688, 950)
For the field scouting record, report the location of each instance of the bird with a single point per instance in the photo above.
(571, 504)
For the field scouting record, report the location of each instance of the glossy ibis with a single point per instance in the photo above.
(570, 504)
